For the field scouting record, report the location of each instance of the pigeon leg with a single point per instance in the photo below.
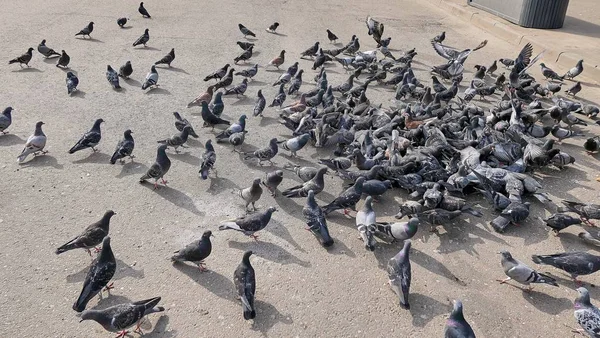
(89, 252)
(96, 250)
(131, 157)
(108, 287)
(346, 212)
(94, 149)
(138, 328)
(201, 266)
(254, 206)
(122, 334)
(255, 237)
(163, 181)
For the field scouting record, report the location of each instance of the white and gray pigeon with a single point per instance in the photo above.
(208, 160)
(181, 123)
(195, 252)
(315, 219)
(112, 77)
(272, 180)
(575, 71)
(91, 236)
(178, 140)
(260, 104)
(239, 89)
(238, 127)
(244, 280)
(252, 193)
(124, 148)
(151, 79)
(265, 153)
(366, 215)
(586, 314)
(521, 273)
(35, 143)
(398, 231)
(143, 39)
(6, 119)
(295, 144)
(456, 325)
(250, 224)
(399, 273)
(248, 73)
(119, 317)
(315, 184)
(160, 167)
(100, 273)
(45, 50)
(89, 139)
(72, 82)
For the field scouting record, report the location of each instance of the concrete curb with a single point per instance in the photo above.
(503, 30)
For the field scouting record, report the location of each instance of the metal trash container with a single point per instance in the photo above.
(527, 13)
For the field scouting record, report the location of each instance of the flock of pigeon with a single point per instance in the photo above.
(434, 143)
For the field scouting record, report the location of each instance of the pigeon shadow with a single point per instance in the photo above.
(90, 40)
(51, 60)
(132, 168)
(95, 157)
(123, 270)
(269, 251)
(109, 301)
(256, 83)
(221, 184)
(126, 27)
(276, 33)
(27, 70)
(147, 48)
(78, 93)
(212, 281)
(339, 247)
(267, 121)
(186, 157)
(243, 101)
(194, 142)
(175, 69)
(132, 82)
(159, 329)
(267, 316)
(7, 140)
(431, 264)
(547, 303)
(43, 161)
(424, 309)
(174, 196)
(279, 230)
(158, 90)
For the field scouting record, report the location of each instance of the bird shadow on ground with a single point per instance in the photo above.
(194, 143)
(123, 270)
(186, 157)
(221, 184)
(547, 303)
(95, 157)
(51, 60)
(267, 121)
(424, 309)
(279, 230)
(174, 69)
(431, 264)
(274, 70)
(90, 40)
(132, 168)
(67, 70)
(212, 281)
(290, 207)
(10, 140)
(276, 33)
(148, 48)
(256, 83)
(456, 237)
(126, 27)
(27, 70)
(269, 251)
(158, 91)
(43, 161)
(132, 82)
(268, 316)
(78, 93)
(243, 101)
(159, 329)
(174, 196)
(570, 241)
(109, 301)
(338, 247)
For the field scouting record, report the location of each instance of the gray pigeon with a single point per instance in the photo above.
(167, 59)
(252, 193)
(295, 144)
(521, 273)
(6, 119)
(575, 263)
(561, 133)
(151, 80)
(264, 154)
(338, 163)
(122, 21)
(245, 284)
(239, 89)
(237, 139)
(124, 148)
(23, 59)
(195, 252)
(366, 215)
(208, 160)
(248, 73)
(126, 70)
(560, 221)
(119, 317)
(250, 224)
(585, 211)
(35, 143)
(589, 238)
(178, 140)
(143, 39)
(89, 139)
(100, 273)
(515, 213)
(218, 74)
(112, 77)
(260, 104)
(210, 119)
(272, 180)
(376, 188)
(575, 71)
(87, 30)
(315, 219)
(233, 128)
(398, 231)
(304, 173)
(90, 237)
(576, 88)
(245, 30)
(586, 314)
(181, 123)
(399, 273)
(347, 199)
(315, 184)
(63, 60)
(72, 81)
(160, 167)
(456, 325)
(45, 50)
(280, 98)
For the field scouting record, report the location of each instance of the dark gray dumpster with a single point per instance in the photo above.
(527, 13)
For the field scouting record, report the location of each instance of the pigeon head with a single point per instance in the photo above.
(39, 124)
(276, 24)
(106, 242)
(91, 23)
(322, 171)
(96, 316)
(457, 311)
(30, 50)
(256, 182)
(506, 255)
(108, 214)
(70, 74)
(583, 299)
(207, 234)
(141, 4)
(128, 133)
(413, 223)
(109, 68)
(208, 145)
(273, 142)
(98, 122)
(43, 42)
(271, 210)
(162, 148)
(279, 173)
(153, 69)
(7, 111)
(146, 31)
(246, 257)
(243, 117)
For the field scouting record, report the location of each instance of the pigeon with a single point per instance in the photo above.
(245, 284)
(586, 314)
(315, 184)
(335, 164)
(195, 252)
(126, 70)
(35, 143)
(589, 238)
(376, 188)
(252, 193)
(239, 89)
(521, 273)
(575, 263)
(491, 69)
(575, 71)
(280, 98)
(439, 38)
(217, 106)
(6, 119)
(272, 180)
(295, 144)
(91, 236)
(399, 274)
(507, 62)
(561, 133)
(283, 79)
(273, 27)
(72, 82)
(177, 140)
(181, 123)
(591, 110)
(260, 104)
(245, 56)
(315, 219)
(211, 119)
(100, 273)
(278, 61)
(515, 213)
(208, 160)
(204, 97)
(303, 173)
(295, 83)
(89, 139)
(310, 51)
(122, 21)
(559, 221)
(248, 73)
(119, 317)
(151, 79)
(112, 77)
(332, 37)
(63, 60)
(143, 11)
(585, 211)
(226, 80)
(245, 30)
(592, 144)
(237, 139)
(124, 148)
(399, 231)
(244, 45)
(456, 325)
(217, 75)
(576, 88)
(366, 215)
(251, 223)
(233, 128)
(160, 167)
(23, 59)
(265, 153)
(167, 59)
(87, 30)
(549, 73)
(347, 199)
(45, 50)
(143, 39)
